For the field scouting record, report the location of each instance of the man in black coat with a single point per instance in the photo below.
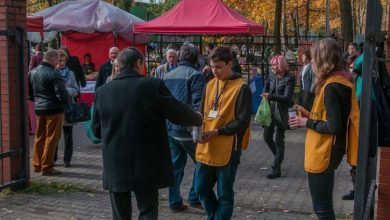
(105, 69)
(129, 116)
(73, 63)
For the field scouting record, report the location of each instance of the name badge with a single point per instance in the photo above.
(213, 114)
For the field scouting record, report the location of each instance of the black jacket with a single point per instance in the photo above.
(130, 115)
(105, 71)
(47, 90)
(73, 64)
(280, 90)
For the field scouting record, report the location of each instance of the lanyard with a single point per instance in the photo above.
(218, 96)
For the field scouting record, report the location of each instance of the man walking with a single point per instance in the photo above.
(163, 69)
(226, 108)
(49, 94)
(186, 84)
(136, 155)
(105, 69)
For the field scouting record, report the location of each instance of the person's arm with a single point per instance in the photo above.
(99, 77)
(335, 100)
(267, 85)
(313, 80)
(30, 89)
(80, 73)
(243, 112)
(96, 125)
(59, 88)
(173, 110)
(287, 94)
(73, 89)
(198, 83)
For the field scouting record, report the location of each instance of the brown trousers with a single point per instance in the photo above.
(47, 136)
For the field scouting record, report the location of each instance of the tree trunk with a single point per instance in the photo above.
(346, 21)
(307, 24)
(277, 23)
(285, 42)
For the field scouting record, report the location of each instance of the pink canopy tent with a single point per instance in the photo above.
(200, 17)
(92, 26)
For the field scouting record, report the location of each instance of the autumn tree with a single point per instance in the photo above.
(346, 21)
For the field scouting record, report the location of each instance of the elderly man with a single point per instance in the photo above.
(186, 84)
(105, 69)
(136, 155)
(163, 69)
(49, 94)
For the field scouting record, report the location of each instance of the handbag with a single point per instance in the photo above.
(77, 112)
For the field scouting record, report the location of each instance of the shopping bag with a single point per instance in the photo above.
(88, 131)
(263, 115)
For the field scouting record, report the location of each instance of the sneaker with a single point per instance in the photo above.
(349, 196)
(53, 172)
(181, 208)
(197, 205)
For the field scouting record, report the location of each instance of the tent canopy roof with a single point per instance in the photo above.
(88, 16)
(200, 17)
(35, 24)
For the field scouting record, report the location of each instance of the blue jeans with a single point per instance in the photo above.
(218, 207)
(179, 150)
(321, 187)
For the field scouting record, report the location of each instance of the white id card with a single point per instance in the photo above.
(213, 114)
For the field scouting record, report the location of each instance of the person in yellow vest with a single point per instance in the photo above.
(332, 125)
(226, 108)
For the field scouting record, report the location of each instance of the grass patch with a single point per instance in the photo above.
(40, 187)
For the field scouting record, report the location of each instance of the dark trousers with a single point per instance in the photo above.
(277, 146)
(220, 206)
(147, 203)
(68, 144)
(321, 187)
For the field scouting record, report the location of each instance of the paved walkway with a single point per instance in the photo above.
(256, 197)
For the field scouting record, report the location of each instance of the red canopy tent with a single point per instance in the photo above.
(35, 24)
(200, 17)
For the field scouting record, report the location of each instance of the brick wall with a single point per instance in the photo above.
(12, 15)
(383, 209)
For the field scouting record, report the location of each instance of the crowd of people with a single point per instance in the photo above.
(202, 112)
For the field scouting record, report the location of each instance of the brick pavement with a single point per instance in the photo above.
(256, 197)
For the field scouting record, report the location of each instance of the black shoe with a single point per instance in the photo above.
(273, 175)
(196, 205)
(349, 196)
(66, 164)
(181, 208)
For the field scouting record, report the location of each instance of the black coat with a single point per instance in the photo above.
(105, 71)
(280, 90)
(130, 114)
(74, 64)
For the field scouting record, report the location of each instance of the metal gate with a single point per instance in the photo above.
(366, 167)
(13, 163)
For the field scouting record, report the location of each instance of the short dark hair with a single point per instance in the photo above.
(128, 57)
(221, 54)
(66, 50)
(210, 46)
(189, 52)
(353, 44)
(87, 55)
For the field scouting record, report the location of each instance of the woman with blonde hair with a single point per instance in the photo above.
(332, 125)
(73, 90)
(115, 71)
(278, 89)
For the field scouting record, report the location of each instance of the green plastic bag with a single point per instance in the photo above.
(89, 132)
(263, 115)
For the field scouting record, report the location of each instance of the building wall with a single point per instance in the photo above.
(13, 134)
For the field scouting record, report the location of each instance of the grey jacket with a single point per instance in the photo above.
(308, 79)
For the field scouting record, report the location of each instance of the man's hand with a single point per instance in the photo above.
(206, 136)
